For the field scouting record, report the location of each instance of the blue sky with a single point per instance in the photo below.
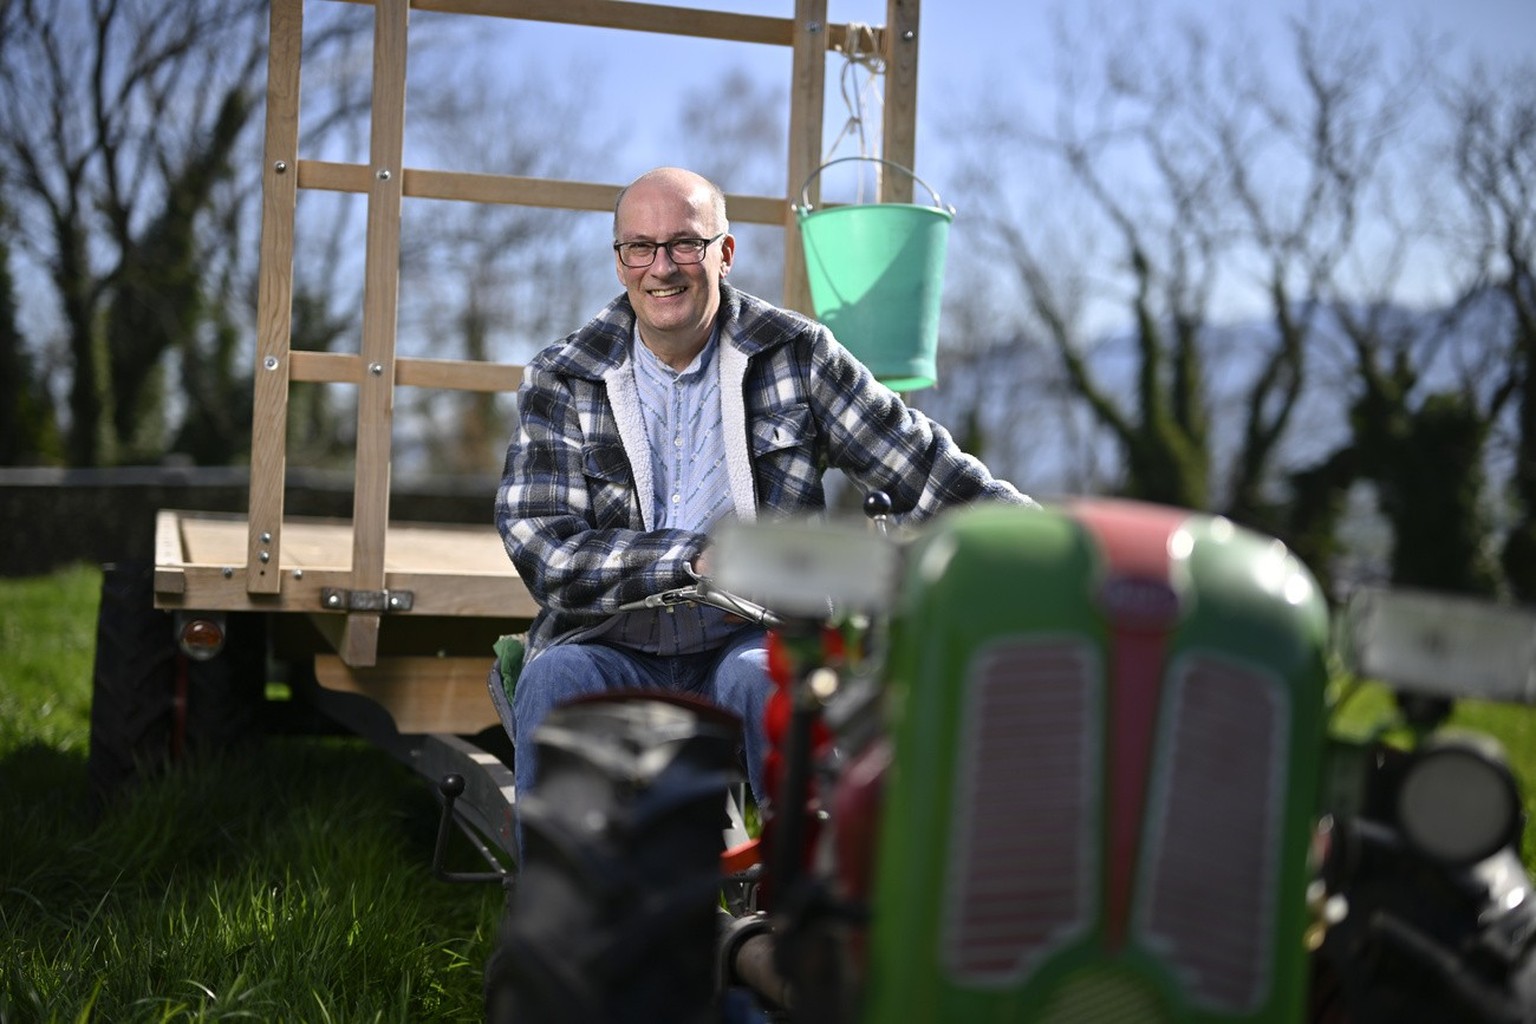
(967, 46)
(971, 51)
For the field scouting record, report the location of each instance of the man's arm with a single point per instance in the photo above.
(882, 444)
(548, 511)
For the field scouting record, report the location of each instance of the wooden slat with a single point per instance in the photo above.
(563, 195)
(489, 595)
(449, 374)
(381, 285)
(326, 367)
(269, 418)
(335, 177)
(422, 694)
(900, 126)
(512, 190)
(637, 17)
(217, 539)
(807, 101)
(458, 374)
(169, 558)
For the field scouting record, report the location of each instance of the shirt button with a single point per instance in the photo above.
(676, 498)
(678, 441)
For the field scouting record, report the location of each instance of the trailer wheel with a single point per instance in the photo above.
(614, 915)
(133, 680)
(150, 704)
(224, 695)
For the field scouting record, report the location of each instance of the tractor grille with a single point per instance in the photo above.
(1213, 831)
(1105, 996)
(1022, 860)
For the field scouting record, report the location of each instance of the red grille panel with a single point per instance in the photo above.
(1213, 830)
(1022, 860)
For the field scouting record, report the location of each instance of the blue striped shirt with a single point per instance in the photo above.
(692, 492)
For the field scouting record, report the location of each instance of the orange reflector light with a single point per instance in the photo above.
(201, 639)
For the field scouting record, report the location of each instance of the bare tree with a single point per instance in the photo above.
(1493, 153)
(27, 431)
(486, 282)
(1185, 171)
(122, 129)
(1429, 389)
(116, 120)
(743, 146)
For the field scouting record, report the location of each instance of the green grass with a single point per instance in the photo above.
(286, 884)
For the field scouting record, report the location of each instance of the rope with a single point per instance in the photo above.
(860, 54)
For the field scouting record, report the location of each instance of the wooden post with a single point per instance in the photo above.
(381, 284)
(274, 301)
(807, 104)
(900, 125)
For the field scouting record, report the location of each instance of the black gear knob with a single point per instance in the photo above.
(877, 505)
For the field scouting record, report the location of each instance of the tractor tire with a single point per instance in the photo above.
(132, 683)
(614, 915)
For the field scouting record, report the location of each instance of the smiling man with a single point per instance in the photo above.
(682, 403)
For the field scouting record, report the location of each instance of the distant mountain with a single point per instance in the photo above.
(1012, 397)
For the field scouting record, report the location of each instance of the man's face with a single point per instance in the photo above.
(675, 305)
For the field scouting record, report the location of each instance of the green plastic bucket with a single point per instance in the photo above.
(876, 272)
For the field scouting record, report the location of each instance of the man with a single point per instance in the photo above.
(681, 403)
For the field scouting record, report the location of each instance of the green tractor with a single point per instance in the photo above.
(1053, 765)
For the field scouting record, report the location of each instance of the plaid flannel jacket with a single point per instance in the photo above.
(574, 504)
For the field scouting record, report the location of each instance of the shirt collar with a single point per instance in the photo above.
(653, 363)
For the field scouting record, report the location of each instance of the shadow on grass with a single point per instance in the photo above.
(286, 882)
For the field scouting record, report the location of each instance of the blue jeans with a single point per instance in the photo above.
(734, 677)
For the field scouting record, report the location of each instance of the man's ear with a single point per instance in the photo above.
(727, 254)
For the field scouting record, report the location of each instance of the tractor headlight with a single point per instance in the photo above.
(1458, 801)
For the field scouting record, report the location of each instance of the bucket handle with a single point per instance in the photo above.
(805, 190)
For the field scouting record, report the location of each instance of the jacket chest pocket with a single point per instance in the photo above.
(784, 458)
(782, 430)
(610, 486)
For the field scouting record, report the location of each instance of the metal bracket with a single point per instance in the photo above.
(335, 599)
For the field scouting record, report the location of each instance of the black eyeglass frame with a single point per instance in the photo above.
(703, 243)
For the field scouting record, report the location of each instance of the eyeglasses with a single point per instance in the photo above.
(680, 251)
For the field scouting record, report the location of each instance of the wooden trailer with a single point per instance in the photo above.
(399, 617)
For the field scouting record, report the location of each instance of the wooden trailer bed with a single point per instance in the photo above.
(200, 562)
(449, 592)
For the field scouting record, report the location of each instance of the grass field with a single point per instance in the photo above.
(289, 884)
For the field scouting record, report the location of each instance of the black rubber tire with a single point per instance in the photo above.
(225, 693)
(614, 915)
(132, 682)
(136, 726)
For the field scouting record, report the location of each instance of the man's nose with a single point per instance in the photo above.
(663, 253)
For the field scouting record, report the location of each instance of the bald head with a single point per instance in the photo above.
(678, 181)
